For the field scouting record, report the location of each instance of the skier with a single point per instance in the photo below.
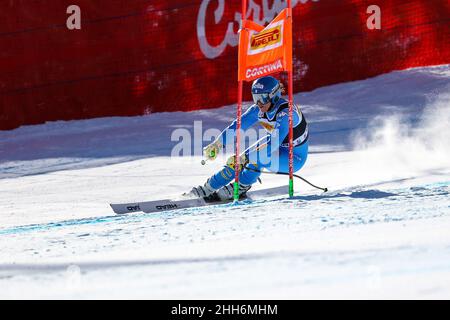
(271, 111)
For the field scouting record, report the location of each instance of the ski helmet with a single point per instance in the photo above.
(266, 89)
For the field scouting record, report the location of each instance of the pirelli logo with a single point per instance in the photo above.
(267, 39)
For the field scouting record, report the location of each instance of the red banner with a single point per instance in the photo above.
(136, 57)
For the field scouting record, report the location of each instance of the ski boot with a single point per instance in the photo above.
(227, 192)
(202, 191)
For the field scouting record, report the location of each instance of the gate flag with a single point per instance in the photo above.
(265, 50)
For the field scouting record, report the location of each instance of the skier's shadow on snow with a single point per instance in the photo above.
(362, 194)
(356, 194)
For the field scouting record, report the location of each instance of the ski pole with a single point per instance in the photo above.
(286, 174)
(203, 162)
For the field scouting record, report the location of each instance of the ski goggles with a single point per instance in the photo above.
(261, 97)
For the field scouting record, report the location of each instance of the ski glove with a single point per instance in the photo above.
(211, 151)
(243, 160)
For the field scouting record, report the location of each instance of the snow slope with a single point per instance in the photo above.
(380, 145)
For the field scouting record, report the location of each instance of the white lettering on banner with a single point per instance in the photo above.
(265, 69)
(231, 38)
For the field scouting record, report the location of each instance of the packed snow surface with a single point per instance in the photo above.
(381, 146)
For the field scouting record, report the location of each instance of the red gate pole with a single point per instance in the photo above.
(291, 130)
(238, 118)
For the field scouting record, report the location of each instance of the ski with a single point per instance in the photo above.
(170, 204)
(161, 205)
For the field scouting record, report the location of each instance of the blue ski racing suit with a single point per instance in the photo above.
(270, 152)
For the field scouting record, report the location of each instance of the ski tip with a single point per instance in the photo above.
(125, 208)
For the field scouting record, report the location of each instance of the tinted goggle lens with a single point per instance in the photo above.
(261, 97)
